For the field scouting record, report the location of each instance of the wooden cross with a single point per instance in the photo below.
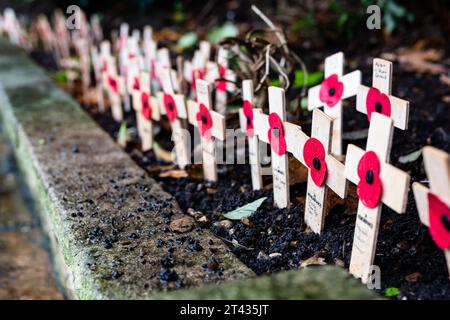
(325, 171)
(147, 109)
(378, 98)
(210, 124)
(173, 106)
(271, 130)
(335, 88)
(246, 116)
(115, 86)
(195, 69)
(434, 204)
(378, 182)
(227, 84)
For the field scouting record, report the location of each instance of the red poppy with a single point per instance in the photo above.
(146, 108)
(204, 121)
(377, 102)
(221, 85)
(113, 84)
(331, 90)
(248, 113)
(136, 84)
(276, 134)
(439, 221)
(369, 188)
(314, 155)
(104, 66)
(171, 107)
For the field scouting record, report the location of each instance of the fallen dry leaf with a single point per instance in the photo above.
(314, 260)
(414, 277)
(182, 225)
(247, 222)
(417, 59)
(445, 79)
(176, 174)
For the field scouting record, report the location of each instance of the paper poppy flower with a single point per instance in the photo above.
(204, 121)
(153, 69)
(439, 214)
(331, 90)
(104, 66)
(113, 84)
(276, 134)
(221, 85)
(314, 155)
(369, 188)
(171, 107)
(136, 84)
(377, 102)
(248, 113)
(146, 109)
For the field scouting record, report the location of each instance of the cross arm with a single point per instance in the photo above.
(218, 120)
(313, 98)
(261, 126)
(421, 197)
(351, 82)
(399, 107)
(437, 167)
(154, 103)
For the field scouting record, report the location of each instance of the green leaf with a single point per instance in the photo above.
(275, 82)
(413, 156)
(391, 292)
(313, 78)
(225, 31)
(245, 211)
(123, 137)
(61, 77)
(187, 41)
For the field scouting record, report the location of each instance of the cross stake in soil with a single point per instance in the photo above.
(270, 129)
(378, 98)
(434, 204)
(147, 109)
(335, 88)
(173, 106)
(97, 67)
(377, 182)
(325, 171)
(210, 124)
(247, 126)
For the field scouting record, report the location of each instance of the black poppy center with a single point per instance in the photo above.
(276, 132)
(145, 104)
(249, 121)
(170, 105)
(204, 119)
(369, 176)
(316, 163)
(332, 91)
(446, 221)
(378, 107)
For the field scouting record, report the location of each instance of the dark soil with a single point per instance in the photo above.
(274, 239)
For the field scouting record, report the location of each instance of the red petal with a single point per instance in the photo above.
(370, 194)
(332, 82)
(146, 109)
(204, 128)
(278, 144)
(318, 176)
(313, 148)
(369, 161)
(171, 114)
(374, 96)
(248, 112)
(437, 210)
(136, 84)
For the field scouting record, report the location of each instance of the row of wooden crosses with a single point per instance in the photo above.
(139, 69)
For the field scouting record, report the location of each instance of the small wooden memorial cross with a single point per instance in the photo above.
(226, 80)
(325, 171)
(210, 124)
(377, 182)
(434, 204)
(97, 67)
(334, 88)
(173, 106)
(378, 98)
(147, 109)
(115, 86)
(270, 129)
(246, 116)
